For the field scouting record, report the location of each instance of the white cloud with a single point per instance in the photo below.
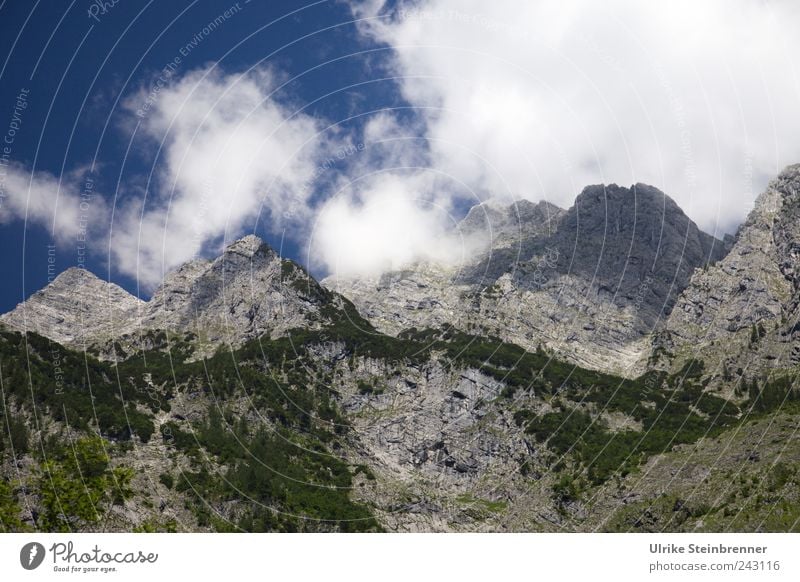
(392, 208)
(382, 223)
(515, 99)
(392, 144)
(538, 99)
(230, 154)
(41, 199)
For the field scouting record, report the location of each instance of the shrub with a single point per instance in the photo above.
(167, 480)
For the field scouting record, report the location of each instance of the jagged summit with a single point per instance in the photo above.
(249, 246)
(621, 237)
(618, 207)
(73, 275)
(590, 282)
(503, 222)
(741, 314)
(74, 308)
(245, 292)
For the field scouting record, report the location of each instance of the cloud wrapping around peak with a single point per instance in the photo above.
(538, 99)
(385, 222)
(229, 155)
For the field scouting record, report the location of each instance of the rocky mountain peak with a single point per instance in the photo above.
(245, 292)
(503, 223)
(590, 282)
(621, 237)
(781, 193)
(249, 246)
(75, 306)
(541, 210)
(617, 209)
(740, 314)
(75, 276)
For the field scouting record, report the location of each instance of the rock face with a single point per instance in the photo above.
(741, 315)
(635, 245)
(589, 283)
(246, 292)
(503, 226)
(76, 308)
(433, 433)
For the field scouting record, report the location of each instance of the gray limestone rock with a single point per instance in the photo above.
(247, 292)
(741, 315)
(75, 309)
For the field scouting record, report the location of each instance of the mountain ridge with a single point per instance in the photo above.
(596, 284)
(742, 313)
(246, 292)
(590, 282)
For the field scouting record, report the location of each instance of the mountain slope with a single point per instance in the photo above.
(745, 479)
(340, 429)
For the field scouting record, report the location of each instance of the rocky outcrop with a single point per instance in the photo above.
(440, 438)
(740, 316)
(502, 225)
(246, 292)
(622, 240)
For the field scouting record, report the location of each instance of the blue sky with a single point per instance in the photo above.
(169, 129)
(75, 67)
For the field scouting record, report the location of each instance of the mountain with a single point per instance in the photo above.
(741, 315)
(315, 419)
(75, 309)
(589, 283)
(246, 292)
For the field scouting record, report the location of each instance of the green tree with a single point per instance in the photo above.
(9, 509)
(726, 373)
(77, 486)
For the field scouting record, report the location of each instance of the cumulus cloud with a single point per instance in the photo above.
(392, 144)
(229, 153)
(68, 208)
(384, 222)
(513, 100)
(391, 208)
(538, 99)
